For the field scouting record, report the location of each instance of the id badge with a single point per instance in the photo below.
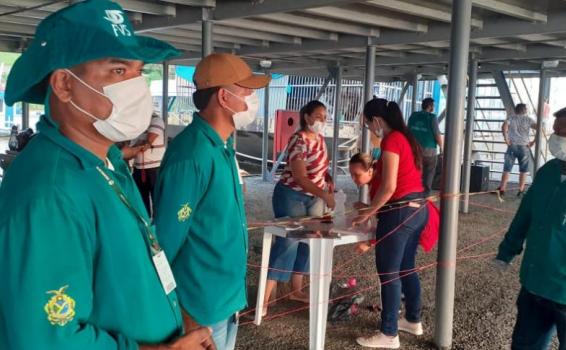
(164, 272)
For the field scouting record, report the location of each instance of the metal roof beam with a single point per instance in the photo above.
(238, 9)
(495, 28)
(220, 36)
(197, 3)
(221, 29)
(507, 9)
(423, 9)
(10, 28)
(344, 42)
(184, 16)
(278, 28)
(39, 14)
(322, 24)
(148, 7)
(372, 19)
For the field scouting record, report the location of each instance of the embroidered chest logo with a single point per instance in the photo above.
(60, 308)
(116, 19)
(184, 213)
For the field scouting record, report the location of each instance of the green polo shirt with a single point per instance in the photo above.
(541, 222)
(201, 223)
(424, 126)
(76, 271)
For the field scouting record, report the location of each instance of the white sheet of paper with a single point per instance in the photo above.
(164, 272)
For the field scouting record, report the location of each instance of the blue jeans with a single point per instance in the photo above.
(521, 153)
(289, 254)
(397, 252)
(224, 333)
(538, 319)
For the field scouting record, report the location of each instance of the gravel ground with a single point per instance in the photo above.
(484, 303)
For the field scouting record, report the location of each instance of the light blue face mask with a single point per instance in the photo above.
(376, 153)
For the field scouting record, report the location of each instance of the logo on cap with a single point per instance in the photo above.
(116, 18)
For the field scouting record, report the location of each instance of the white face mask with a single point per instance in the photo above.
(318, 127)
(557, 146)
(245, 118)
(132, 107)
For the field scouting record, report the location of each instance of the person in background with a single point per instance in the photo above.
(516, 133)
(81, 266)
(398, 175)
(424, 126)
(200, 214)
(539, 229)
(304, 189)
(148, 160)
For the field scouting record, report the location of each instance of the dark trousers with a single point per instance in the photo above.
(429, 170)
(395, 256)
(145, 184)
(537, 321)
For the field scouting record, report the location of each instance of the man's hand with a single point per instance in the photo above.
(499, 266)
(329, 199)
(362, 219)
(363, 247)
(198, 339)
(532, 143)
(360, 205)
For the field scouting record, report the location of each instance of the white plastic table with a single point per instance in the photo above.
(321, 253)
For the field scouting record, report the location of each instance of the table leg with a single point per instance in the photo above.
(265, 251)
(321, 251)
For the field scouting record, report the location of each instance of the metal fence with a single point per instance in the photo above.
(293, 92)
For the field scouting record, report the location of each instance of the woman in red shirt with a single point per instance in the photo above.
(400, 222)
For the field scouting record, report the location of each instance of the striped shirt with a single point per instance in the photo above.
(315, 156)
(152, 157)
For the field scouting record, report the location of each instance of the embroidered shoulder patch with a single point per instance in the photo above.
(60, 308)
(184, 213)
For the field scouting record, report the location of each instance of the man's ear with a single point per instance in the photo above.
(61, 86)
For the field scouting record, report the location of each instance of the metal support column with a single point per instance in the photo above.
(207, 46)
(403, 93)
(543, 91)
(446, 270)
(504, 91)
(25, 115)
(415, 83)
(368, 95)
(337, 110)
(265, 135)
(470, 116)
(165, 98)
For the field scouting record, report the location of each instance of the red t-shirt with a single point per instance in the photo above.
(408, 177)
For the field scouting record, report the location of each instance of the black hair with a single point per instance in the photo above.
(520, 108)
(309, 108)
(561, 113)
(201, 98)
(392, 115)
(363, 159)
(427, 102)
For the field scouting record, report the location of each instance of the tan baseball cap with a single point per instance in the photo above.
(220, 69)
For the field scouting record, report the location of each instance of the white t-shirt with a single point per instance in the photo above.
(153, 156)
(519, 129)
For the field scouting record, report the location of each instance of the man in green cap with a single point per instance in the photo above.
(81, 266)
(200, 215)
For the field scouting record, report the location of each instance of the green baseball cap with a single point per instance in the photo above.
(85, 31)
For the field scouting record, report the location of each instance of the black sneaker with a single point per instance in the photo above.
(520, 194)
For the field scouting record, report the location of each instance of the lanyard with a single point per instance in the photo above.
(154, 246)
